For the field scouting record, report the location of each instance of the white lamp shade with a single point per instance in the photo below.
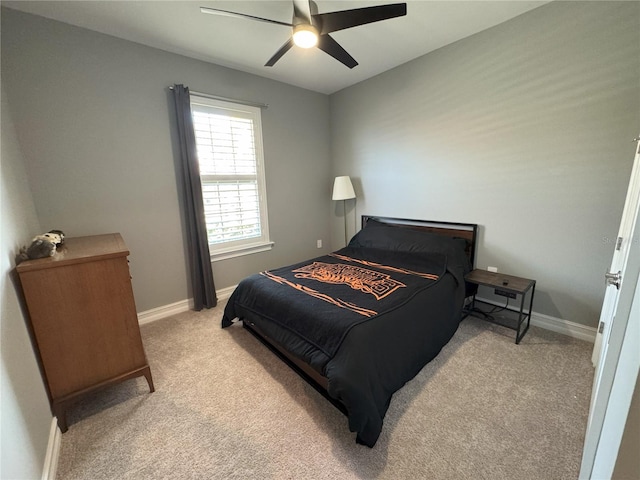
(343, 189)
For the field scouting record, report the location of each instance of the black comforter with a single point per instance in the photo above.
(365, 318)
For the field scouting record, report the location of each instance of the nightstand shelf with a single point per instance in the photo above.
(511, 285)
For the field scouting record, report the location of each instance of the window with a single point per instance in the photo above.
(229, 146)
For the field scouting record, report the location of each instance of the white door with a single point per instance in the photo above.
(621, 251)
(613, 332)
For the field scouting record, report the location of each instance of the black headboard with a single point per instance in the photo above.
(467, 231)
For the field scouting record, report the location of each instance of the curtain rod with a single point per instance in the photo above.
(225, 99)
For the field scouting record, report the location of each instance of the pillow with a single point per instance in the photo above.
(401, 239)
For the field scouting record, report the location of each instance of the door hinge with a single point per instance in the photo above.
(601, 327)
(619, 243)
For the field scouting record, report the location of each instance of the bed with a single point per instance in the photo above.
(362, 321)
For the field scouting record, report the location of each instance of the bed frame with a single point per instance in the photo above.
(467, 231)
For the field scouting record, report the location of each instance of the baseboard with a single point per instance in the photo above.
(165, 311)
(225, 293)
(53, 452)
(559, 325)
(571, 329)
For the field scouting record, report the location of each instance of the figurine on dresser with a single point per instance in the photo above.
(42, 246)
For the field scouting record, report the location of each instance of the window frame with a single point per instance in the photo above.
(231, 249)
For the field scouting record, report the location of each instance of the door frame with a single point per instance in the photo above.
(620, 360)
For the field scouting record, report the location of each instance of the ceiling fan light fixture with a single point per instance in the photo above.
(305, 36)
(307, 26)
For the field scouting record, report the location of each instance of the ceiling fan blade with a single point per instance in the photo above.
(283, 49)
(225, 13)
(328, 45)
(334, 21)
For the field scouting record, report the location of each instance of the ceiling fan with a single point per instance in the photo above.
(311, 28)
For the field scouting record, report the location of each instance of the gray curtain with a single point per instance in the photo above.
(204, 292)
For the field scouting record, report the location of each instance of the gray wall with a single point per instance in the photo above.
(94, 118)
(25, 416)
(525, 129)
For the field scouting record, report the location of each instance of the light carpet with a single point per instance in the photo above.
(226, 407)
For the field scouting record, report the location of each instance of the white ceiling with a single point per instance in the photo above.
(179, 27)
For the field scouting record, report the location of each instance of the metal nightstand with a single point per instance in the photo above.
(511, 286)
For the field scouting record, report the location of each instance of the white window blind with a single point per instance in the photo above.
(229, 147)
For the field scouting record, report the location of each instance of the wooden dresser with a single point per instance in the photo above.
(83, 319)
